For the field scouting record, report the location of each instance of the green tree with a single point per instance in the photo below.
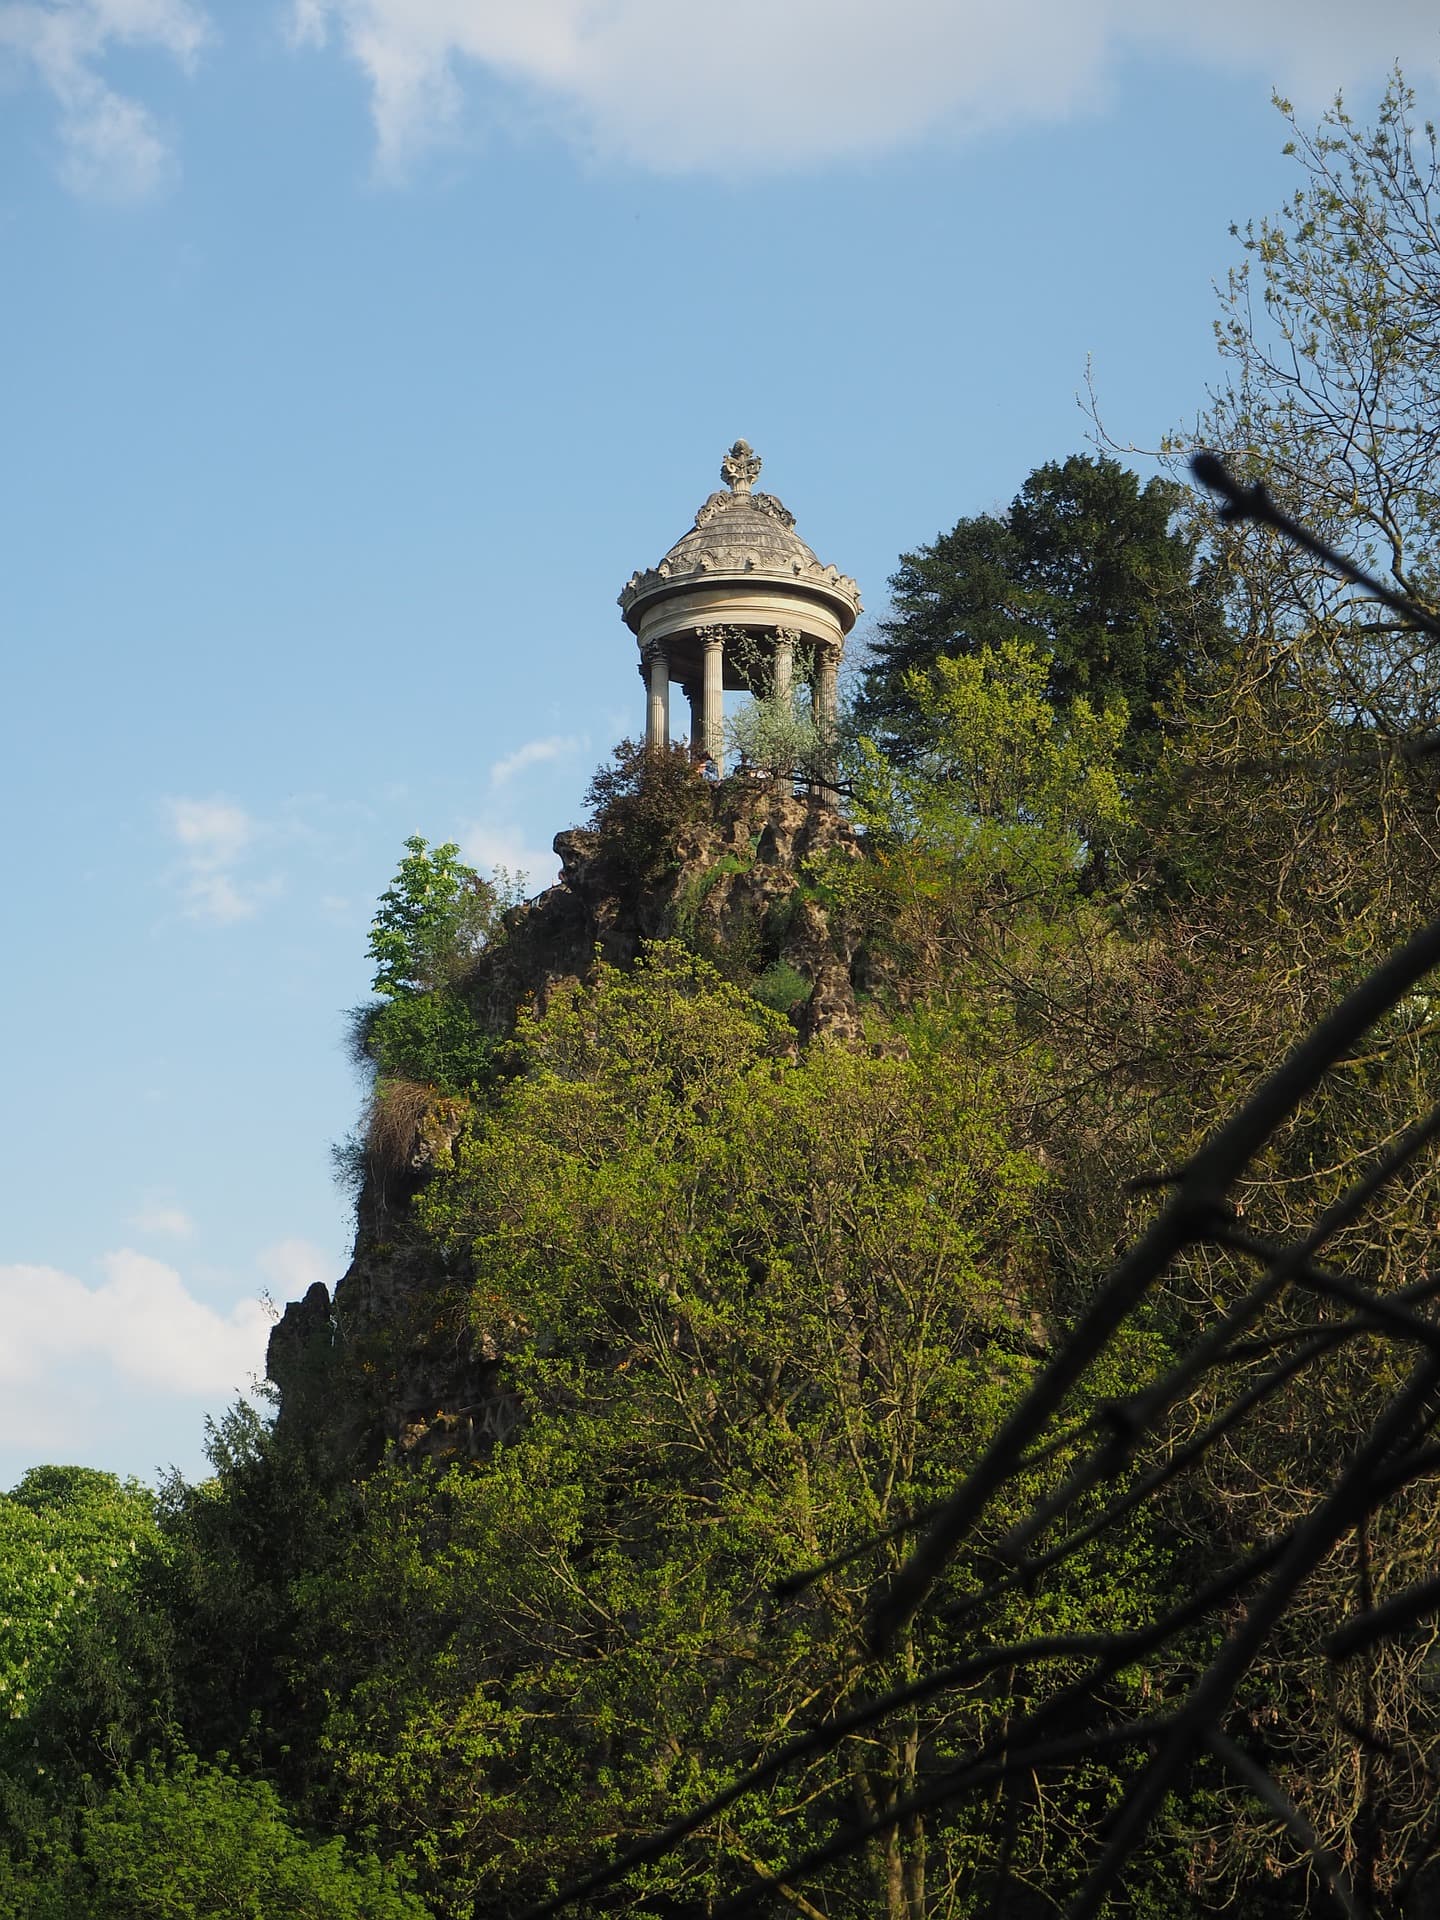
(431, 925)
(199, 1638)
(1006, 787)
(432, 921)
(1291, 838)
(189, 1841)
(1088, 567)
(752, 1306)
(67, 1535)
(1331, 397)
(984, 835)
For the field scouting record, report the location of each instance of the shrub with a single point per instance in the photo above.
(430, 927)
(639, 803)
(431, 1037)
(781, 987)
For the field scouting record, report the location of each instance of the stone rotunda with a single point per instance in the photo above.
(731, 605)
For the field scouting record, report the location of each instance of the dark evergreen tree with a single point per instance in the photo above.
(1088, 566)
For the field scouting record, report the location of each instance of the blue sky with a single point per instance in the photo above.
(357, 351)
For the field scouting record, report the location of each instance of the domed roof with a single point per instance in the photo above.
(745, 536)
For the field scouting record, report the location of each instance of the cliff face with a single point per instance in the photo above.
(392, 1361)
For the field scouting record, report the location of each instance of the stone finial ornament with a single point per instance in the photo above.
(740, 468)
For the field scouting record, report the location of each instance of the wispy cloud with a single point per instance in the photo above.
(211, 829)
(111, 146)
(215, 836)
(534, 753)
(156, 1218)
(488, 845)
(293, 1266)
(762, 84)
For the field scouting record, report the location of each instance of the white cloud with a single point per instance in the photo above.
(120, 1369)
(534, 753)
(760, 84)
(293, 1266)
(1308, 48)
(215, 830)
(111, 146)
(141, 1324)
(156, 1218)
(486, 845)
(214, 836)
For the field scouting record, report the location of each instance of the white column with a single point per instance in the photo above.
(784, 666)
(826, 691)
(713, 699)
(657, 706)
(826, 708)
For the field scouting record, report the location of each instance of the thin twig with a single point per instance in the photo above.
(1252, 1775)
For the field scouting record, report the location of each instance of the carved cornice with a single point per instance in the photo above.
(805, 573)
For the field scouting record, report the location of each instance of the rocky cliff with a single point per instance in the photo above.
(391, 1361)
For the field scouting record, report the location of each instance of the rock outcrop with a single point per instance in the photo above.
(739, 884)
(746, 881)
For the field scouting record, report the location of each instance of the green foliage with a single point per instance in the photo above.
(430, 927)
(638, 804)
(66, 1535)
(236, 1544)
(1007, 788)
(197, 1842)
(781, 986)
(1293, 836)
(432, 921)
(201, 1635)
(1087, 569)
(432, 1038)
(753, 1306)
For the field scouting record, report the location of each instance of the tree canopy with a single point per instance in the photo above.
(754, 1305)
(1087, 567)
(66, 1533)
(187, 1841)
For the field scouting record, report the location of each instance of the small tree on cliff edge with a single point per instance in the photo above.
(431, 925)
(432, 921)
